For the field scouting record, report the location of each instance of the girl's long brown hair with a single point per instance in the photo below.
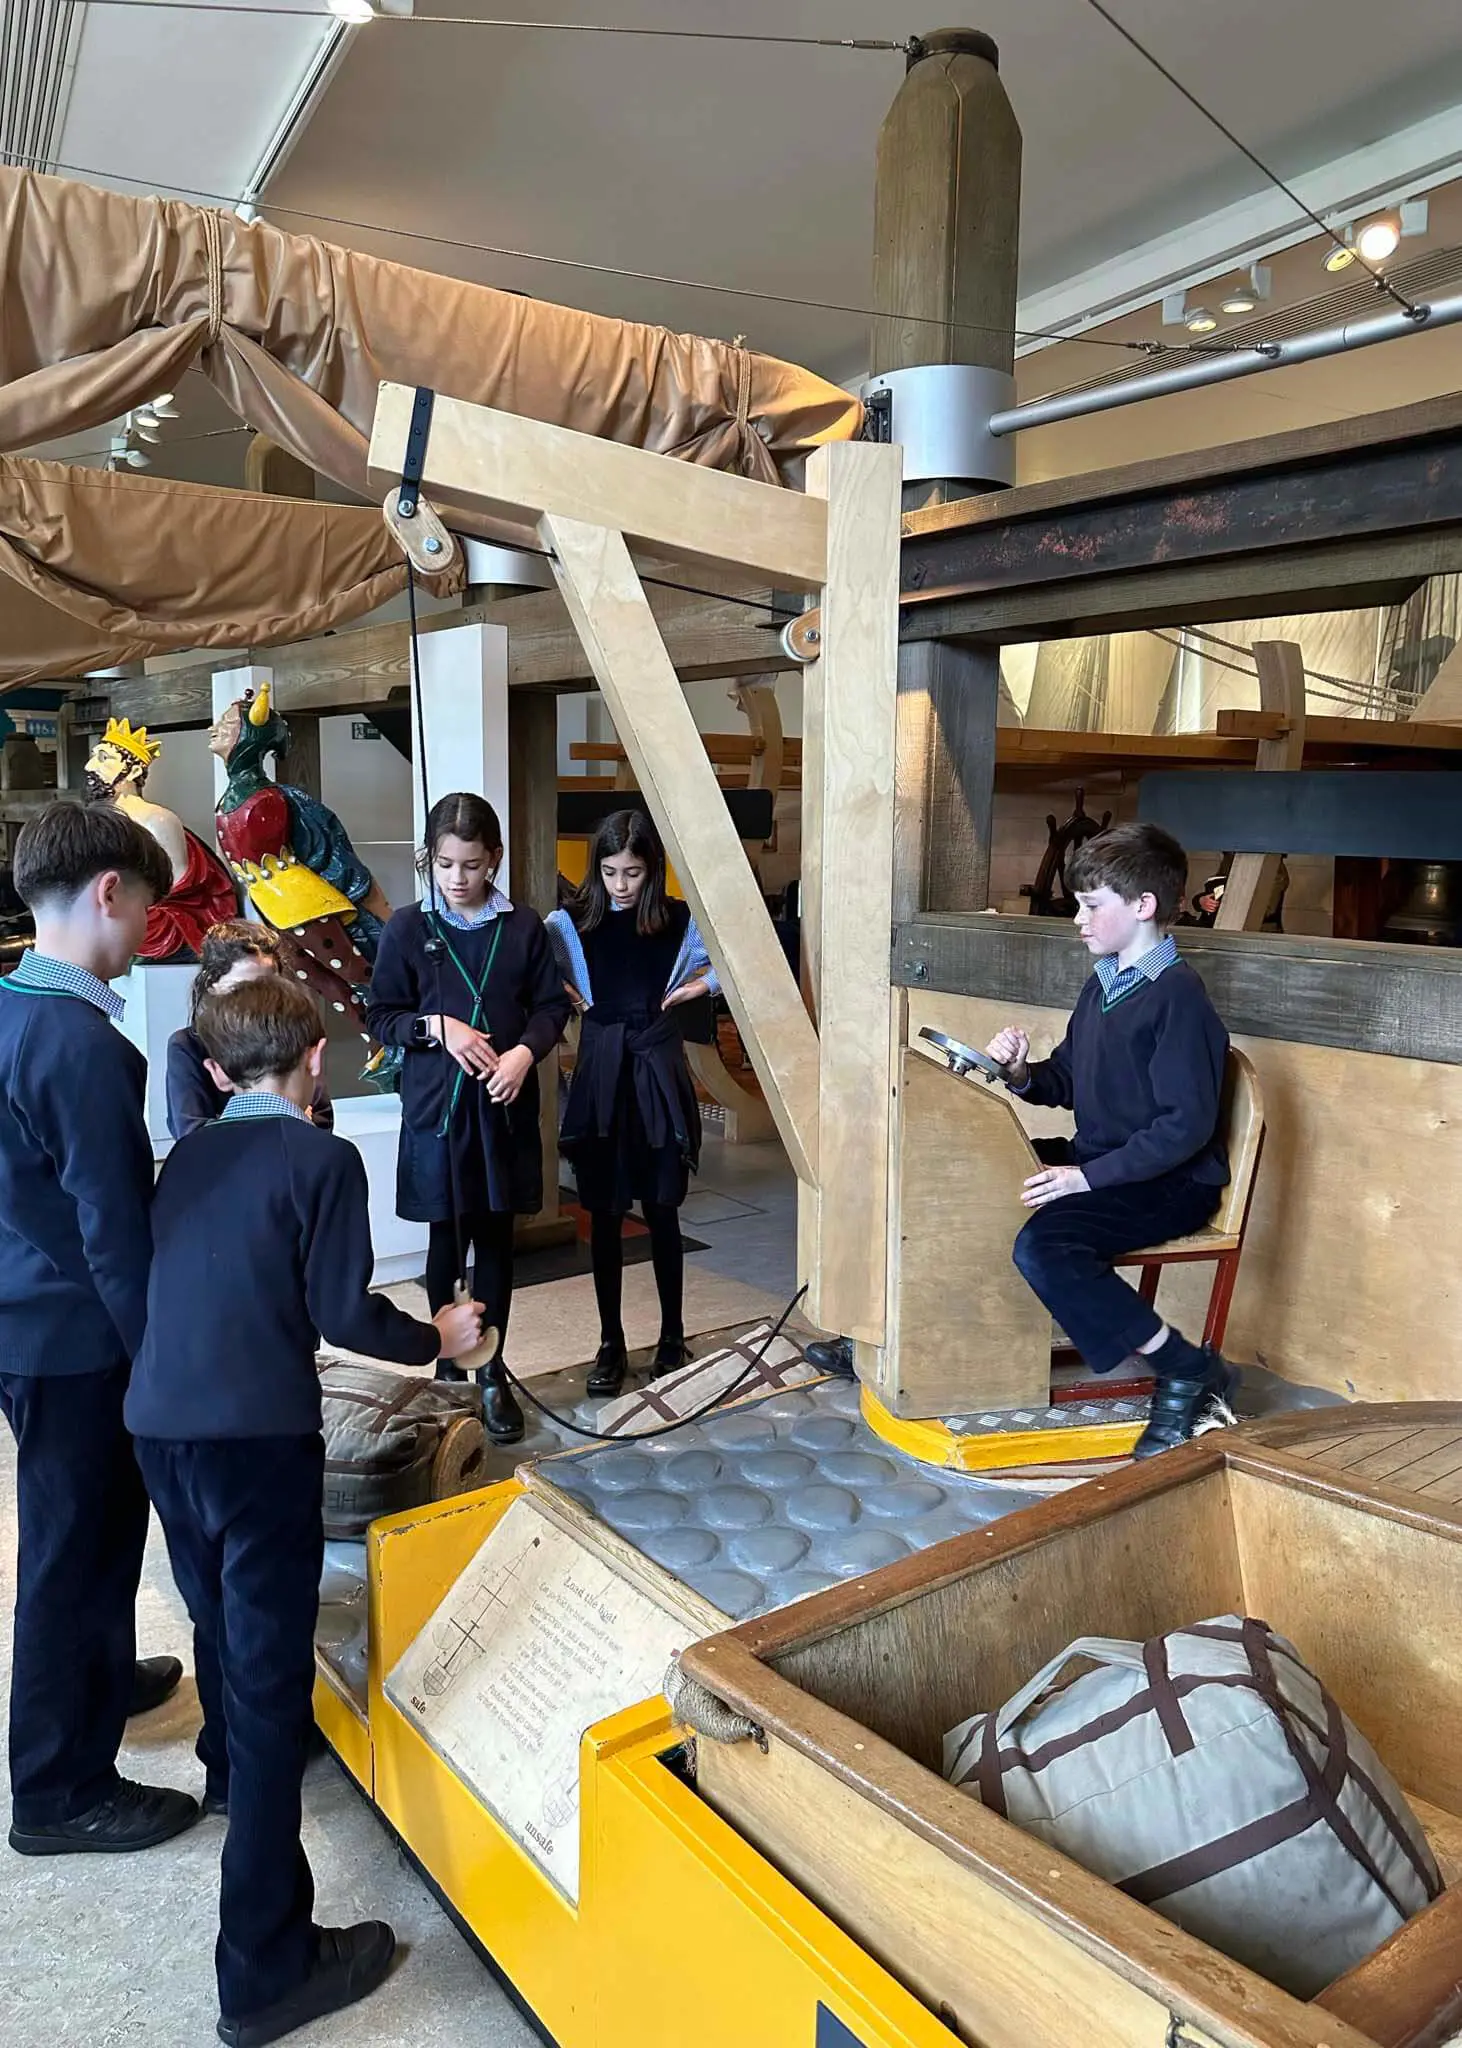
(624, 832)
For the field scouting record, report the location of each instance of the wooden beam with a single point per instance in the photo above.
(948, 705)
(610, 611)
(1254, 876)
(857, 681)
(1401, 1000)
(1330, 576)
(1332, 442)
(366, 665)
(502, 466)
(1364, 735)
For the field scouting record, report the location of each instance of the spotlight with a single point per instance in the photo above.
(1379, 241)
(1200, 321)
(144, 426)
(163, 407)
(1243, 298)
(1342, 254)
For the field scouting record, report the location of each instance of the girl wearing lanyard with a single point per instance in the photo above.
(631, 956)
(468, 986)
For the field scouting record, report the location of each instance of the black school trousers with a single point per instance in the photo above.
(244, 1521)
(1067, 1250)
(82, 1515)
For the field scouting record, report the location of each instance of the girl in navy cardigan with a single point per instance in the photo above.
(468, 986)
(632, 957)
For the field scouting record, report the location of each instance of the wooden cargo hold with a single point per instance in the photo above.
(1340, 1528)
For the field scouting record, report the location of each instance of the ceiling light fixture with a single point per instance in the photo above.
(1201, 321)
(1342, 254)
(1379, 240)
(1243, 298)
(356, 12)
(163, 407)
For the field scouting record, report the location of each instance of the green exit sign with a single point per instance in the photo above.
(362, 729)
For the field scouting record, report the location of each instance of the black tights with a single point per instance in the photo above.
(607, 1246)
(488, 1238)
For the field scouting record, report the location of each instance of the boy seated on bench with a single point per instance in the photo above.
(1142, 1066)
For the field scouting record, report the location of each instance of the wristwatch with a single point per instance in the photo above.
(422, 1032)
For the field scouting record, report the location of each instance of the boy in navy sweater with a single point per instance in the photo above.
(262, 1239)
(1142, 1065)
(75, 1187)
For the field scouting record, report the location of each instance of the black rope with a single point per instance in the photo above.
(641, 1436)
(1381, 281)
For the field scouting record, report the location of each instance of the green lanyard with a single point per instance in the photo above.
(477, 990)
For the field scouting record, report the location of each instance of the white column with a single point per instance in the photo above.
(464, 689)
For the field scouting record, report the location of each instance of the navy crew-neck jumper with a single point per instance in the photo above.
(1144, 1075)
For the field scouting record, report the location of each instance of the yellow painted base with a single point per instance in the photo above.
(682, 1930)
(935, 1443)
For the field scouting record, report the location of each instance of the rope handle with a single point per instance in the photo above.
(697, 1708)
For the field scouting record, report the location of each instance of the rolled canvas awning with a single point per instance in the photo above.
(107, 300)
(97, 568)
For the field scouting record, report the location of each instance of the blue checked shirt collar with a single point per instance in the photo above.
(497, 905)
(1120, 981)
(60, 977)
(254, 1102)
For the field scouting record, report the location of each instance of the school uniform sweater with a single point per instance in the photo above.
(499, 976)
(1144, 1074)
(631, 1126)
(262, 1239)
(75, 1175)
(195, 1098)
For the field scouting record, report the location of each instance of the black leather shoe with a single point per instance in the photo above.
(1179, 1405)
(446, 1370)
(131, 1817)
(350, 1963)
(606, 1375)
(502, 1418)
(154, 1679)
(670, 1357)
(215, 1806)
(835, 1357)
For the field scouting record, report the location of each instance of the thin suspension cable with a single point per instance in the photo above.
(692, 284)
(877, 45)
(1381, 281)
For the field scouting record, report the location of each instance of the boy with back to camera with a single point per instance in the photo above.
(1142, 1066)
(262, 1239)
(75, 1188)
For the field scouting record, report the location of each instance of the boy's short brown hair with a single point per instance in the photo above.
(69, 845)
(1133, 861)
(259, 1030)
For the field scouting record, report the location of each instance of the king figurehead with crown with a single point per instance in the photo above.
(293, 858)
(202, 893)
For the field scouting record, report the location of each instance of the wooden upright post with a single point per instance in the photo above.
(946, 222)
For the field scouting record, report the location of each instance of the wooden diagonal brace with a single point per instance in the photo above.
(609, 608)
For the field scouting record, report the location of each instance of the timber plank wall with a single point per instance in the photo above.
(1359, 996)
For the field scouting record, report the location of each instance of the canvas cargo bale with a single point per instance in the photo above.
(393, 1442)
(1209, 1774)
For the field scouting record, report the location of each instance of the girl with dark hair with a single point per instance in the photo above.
(197, 1091)
(631, 957)
(468, 986)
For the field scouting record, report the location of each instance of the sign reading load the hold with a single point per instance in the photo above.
(537, 1640)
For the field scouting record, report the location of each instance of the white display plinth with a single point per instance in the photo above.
(372, 1123)
(157, 1006)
